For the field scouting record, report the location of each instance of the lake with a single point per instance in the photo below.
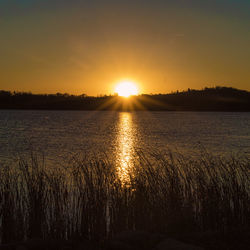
(60, 135)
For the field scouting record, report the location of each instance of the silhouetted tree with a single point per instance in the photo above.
(208, 99)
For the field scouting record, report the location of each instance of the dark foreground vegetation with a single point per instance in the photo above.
(166, 193)
(208, 99)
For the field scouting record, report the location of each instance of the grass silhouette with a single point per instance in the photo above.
(166, 193)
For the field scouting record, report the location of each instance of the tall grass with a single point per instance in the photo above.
(166, 193)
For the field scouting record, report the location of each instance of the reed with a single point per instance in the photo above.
(166, 192)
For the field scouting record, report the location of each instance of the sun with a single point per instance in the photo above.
(126, 89)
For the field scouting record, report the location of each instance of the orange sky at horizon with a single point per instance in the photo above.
(81, 47)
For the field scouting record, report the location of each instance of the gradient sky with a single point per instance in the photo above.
(49, 46)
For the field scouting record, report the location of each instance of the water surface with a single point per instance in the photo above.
(62, 134)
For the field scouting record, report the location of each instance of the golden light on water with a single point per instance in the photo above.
(126, 89)
(125, 147)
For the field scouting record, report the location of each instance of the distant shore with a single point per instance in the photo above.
(208, 99)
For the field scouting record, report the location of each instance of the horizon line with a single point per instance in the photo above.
(115, 94)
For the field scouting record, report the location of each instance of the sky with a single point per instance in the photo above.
(73, 46)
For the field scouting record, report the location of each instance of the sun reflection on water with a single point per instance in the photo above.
(126, 135)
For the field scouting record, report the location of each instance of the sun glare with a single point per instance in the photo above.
(126, 89)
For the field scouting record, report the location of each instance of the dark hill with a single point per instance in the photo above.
(207, 99)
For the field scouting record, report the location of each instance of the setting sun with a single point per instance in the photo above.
(126, 89)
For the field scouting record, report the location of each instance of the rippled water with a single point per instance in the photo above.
(61, 134)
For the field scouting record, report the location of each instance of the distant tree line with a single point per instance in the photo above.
(207, 99)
